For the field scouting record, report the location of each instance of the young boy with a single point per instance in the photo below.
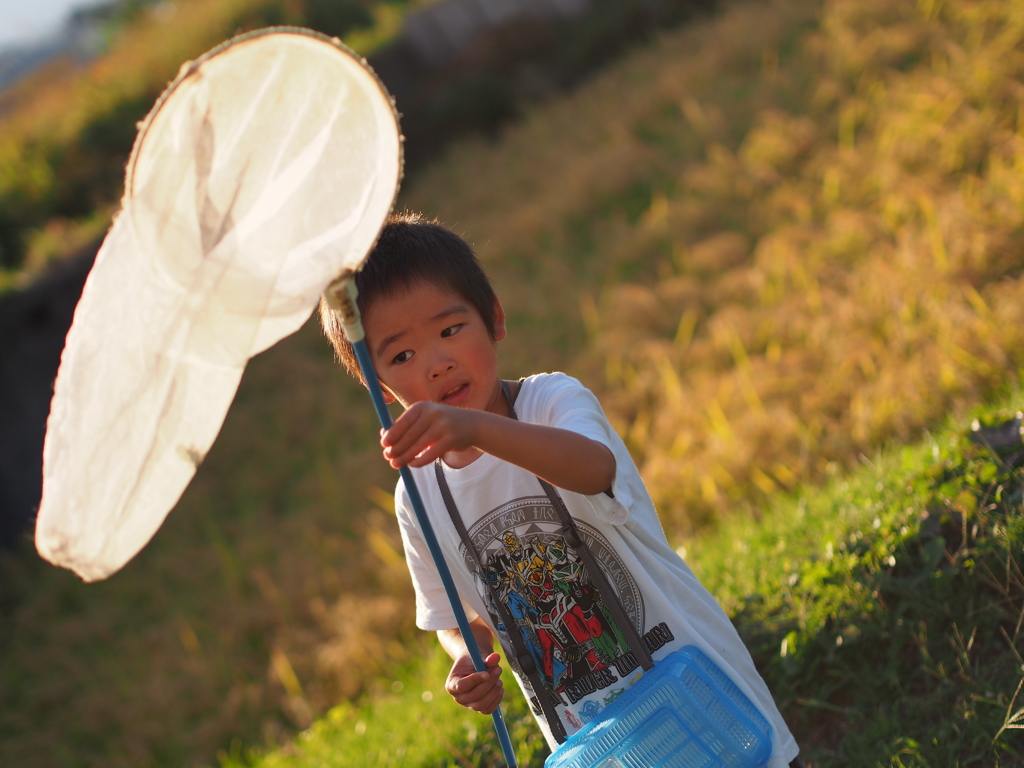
(432, 324)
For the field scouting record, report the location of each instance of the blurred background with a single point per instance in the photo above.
(773, 235)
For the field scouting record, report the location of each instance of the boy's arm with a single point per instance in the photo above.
(562, 457)
(479, 691)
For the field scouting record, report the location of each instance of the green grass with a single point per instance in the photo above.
(409, 721)
(885, 610)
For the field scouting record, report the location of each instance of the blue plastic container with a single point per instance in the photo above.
(684, 713)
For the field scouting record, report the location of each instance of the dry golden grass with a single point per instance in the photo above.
(782, 249)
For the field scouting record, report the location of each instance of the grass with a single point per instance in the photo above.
(885, 609)
(409, 721)
(772, 241)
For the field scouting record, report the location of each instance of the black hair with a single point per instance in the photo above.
(411, 250)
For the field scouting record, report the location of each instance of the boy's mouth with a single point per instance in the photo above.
(456, 394)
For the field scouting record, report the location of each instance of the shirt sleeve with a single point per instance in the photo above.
(433, 612)
(563, 402)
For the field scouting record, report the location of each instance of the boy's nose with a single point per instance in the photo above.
(441, 365)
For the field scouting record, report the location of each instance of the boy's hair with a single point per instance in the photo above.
(412, 250)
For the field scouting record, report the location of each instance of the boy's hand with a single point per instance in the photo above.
(426, 431)
(480, 691)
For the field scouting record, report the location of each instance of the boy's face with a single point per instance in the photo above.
(429, 343)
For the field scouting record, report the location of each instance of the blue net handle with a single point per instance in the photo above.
(341, 297)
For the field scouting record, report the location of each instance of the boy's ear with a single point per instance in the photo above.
(389, 396)
(499, 321)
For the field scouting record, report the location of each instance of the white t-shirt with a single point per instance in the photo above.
(518, 537)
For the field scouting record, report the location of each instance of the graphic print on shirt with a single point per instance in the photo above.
(563, 619)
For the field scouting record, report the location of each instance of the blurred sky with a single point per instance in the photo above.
(26, 21)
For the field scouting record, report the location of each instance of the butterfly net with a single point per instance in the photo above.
(263, 172)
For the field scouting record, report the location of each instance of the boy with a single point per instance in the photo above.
(432, 324)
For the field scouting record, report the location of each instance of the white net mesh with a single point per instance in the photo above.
(265, 171)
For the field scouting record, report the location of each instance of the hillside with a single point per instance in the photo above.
(772, 241)
(885, 609)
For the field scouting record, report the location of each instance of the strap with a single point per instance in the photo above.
(511, 390)
(523, 656)
(572, 536)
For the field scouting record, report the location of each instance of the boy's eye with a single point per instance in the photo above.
(402, 357)
(451, 330)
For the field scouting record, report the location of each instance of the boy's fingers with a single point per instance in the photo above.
(499, 694)
(463, 685)
(427, 446)
(430, 453)
(394, 434)
(472, 687)
(420, 455)
(480, 696)
(420, 436)
(400, 455)
(489, 703)
(411, 436)
(405, 422)
(479, 691)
